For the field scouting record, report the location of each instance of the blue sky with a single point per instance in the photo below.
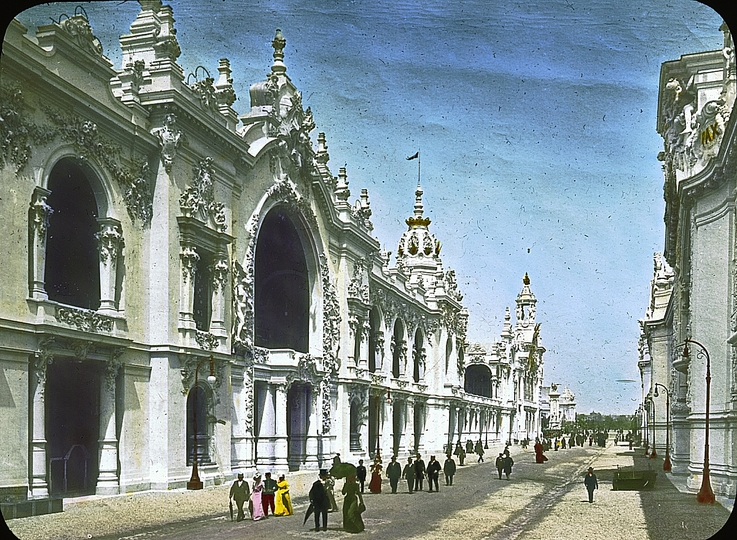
(536, 126)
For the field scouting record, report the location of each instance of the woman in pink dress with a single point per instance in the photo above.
(254, 505)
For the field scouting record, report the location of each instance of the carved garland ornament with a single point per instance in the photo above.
(134, 181)
(85, 320)
(17, 133)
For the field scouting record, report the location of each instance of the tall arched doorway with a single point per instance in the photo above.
(298, 421)
(282, 292)
(198, 427)
(478, 380)
(73, 425)
(72, 270)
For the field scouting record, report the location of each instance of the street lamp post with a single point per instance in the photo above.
(705, 494)
(666, 464)
(194, 481)
(654, 453)
(646, 427)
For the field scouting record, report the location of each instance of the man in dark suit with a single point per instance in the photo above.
(320, 502)
(240, 492)
(449, 469)
(409, 474)
(591, 483)
(394, 473)
(433, 471)
(419, 473)
(361, 473)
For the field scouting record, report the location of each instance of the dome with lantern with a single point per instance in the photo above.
(419, 251)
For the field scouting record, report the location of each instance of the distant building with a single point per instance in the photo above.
(694, 287)
(184, 284)
(556, 406)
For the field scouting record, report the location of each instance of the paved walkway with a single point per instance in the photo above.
(539, 502)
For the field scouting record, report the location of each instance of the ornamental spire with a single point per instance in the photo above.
(279, 43)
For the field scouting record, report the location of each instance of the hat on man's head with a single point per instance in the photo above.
(323, 472)
(240, 475)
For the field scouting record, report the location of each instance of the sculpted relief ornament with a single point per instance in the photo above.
(169, 138)
(199, 200)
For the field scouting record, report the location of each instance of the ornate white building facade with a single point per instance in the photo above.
(184, 283)
(694, 290)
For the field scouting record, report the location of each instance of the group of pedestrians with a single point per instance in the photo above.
(471, 448)
(264, 495)
(413, 472)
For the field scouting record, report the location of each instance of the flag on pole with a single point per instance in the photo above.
(415, 155)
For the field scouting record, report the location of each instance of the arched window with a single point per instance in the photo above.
(72, 268)
(282, 299)
(418, 358)
(478, 380)
(398, 349)
(374, 328)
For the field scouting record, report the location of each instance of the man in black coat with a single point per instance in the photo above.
(361, 474)
(419, 473)
(409, 474)
(394, 472)
(591, 483)
(320, 502)
(449, 469)
(433, 471)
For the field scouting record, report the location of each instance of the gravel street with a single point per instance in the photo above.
(540, 501)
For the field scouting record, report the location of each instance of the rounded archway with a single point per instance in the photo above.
(72, 268)
(478, 380)
(282, 290)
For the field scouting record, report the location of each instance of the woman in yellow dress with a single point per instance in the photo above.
(283, 502)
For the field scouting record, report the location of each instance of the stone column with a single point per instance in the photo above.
(281, 450)
(38, 225)
(39, 487)
(107, 479)
(410, 426)
(110, 242)
(268, 429)
(312, 459)
(386, 442)
(239, 440)
(189, 258)
(220, 282)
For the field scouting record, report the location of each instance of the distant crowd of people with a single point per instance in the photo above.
(266, 495)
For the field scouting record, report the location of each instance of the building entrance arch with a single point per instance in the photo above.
(282, 288)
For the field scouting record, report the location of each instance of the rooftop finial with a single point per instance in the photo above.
(526, 279)
(279, 43)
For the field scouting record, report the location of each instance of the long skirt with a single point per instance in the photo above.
(375, 485)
